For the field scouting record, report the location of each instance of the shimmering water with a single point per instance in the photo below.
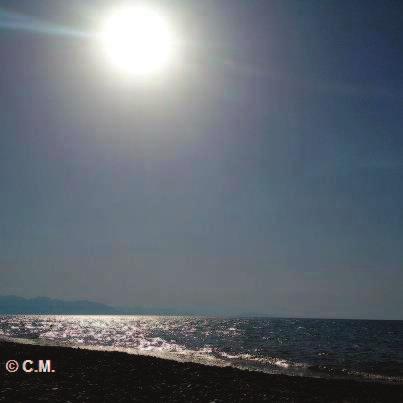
(310, 347)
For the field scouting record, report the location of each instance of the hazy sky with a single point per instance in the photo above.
(263, 173)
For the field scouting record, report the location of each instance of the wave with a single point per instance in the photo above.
(203, 356)
(343, 373)
(246, 345)
(171, 351)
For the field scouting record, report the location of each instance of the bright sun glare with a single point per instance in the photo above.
(138, 40)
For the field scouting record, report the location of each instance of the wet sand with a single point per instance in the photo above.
(93, 376)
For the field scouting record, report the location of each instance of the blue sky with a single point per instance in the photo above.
(264, 175)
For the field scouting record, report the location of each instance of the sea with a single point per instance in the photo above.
(357, 349)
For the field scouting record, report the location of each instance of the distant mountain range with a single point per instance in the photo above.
(47, 306)
(13, 305)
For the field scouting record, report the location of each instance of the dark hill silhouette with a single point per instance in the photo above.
(47, 306)
(13, 305)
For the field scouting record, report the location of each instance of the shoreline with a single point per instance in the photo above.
(309, 373)
(93, 375)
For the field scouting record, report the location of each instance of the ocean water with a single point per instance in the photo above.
(368, 350)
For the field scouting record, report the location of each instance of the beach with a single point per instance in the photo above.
(97, 376)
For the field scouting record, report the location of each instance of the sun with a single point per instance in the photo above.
(138, 41)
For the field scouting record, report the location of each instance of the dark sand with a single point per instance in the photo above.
(93, 376)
